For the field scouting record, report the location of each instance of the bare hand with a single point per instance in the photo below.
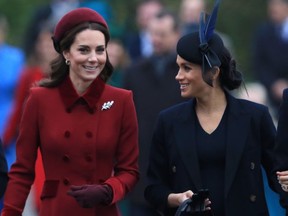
(283, 179)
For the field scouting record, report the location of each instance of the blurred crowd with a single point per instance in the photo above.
(144, 62)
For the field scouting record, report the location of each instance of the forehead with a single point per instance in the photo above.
(181, 61)
(165, 23)
(89, 36)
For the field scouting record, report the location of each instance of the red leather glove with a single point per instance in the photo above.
(88, 196)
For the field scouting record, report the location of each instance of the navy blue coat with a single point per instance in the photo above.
(173, 163)
(281, 148)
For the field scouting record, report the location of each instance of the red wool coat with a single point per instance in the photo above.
(82, 141)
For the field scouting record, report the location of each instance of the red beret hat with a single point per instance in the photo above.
(74, 18)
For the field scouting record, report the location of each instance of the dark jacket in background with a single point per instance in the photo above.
(154, 87)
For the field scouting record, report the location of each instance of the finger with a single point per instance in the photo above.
(189, 194)
(75, 188)
(284, 187)
(75, 194)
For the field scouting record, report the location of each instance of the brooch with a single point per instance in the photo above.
(107, 105)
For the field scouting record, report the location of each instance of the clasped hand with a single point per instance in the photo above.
(283, 179)
(88, 196)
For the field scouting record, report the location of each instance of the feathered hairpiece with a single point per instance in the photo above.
(206, 31)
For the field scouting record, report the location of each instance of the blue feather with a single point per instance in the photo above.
(210, 26)
(202, 28)
(206, 30)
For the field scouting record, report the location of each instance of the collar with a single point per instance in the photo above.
(70, 97)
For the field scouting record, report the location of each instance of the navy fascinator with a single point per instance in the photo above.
(203, 47)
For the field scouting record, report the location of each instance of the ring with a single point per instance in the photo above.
(284, 187)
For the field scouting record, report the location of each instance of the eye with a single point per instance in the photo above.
(186, 68)
(100, 50)
(83, 50)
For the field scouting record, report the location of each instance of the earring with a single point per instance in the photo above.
(67, 61)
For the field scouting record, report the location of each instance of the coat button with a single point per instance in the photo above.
(66, 181)
(88, 158)
(66, 158)
(252, 165)
(174, 169)
(253, 198)
(89, 134)
(68, 110)
(67, 134)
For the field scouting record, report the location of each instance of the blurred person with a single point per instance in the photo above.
(213, 141)
(45, 14)
(85, 129)
(270, 51)
(3, 171)
(189, 14)
(120, 60)
(36, 68)
(139, 43)
(12, 60)
(152, 81)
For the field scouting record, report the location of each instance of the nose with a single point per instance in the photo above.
(179, 75)
(92, 57)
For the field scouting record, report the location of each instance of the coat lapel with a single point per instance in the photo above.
(186, 143)
(237, 132)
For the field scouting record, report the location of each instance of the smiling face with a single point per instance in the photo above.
(87, 56)
(190, 79)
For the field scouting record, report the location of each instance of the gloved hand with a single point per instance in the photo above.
(88, 196)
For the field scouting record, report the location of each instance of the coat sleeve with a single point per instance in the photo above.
(281, 148)
(157, 190)
(126, 171)
(21, 175)
(268, 156)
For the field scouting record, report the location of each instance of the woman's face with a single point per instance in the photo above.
(190, 79)
(87, 56)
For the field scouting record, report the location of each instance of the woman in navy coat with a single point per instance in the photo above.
(86, 130)
(214, 141)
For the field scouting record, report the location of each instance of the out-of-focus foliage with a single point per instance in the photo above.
(236, 18)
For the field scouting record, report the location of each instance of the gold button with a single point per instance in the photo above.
(252, 165)
(88, 158)
(174, 169)
(253, 198)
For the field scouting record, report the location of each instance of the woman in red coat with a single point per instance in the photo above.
(86, 130)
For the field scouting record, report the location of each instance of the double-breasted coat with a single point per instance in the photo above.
(174, 166)
(91, 139)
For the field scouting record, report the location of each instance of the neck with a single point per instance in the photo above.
(213, 101)
(80, 86)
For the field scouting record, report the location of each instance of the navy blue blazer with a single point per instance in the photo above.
(3, 171)
(173, 162)
(281, 148)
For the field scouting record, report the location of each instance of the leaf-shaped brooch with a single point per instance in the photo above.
(107, 105)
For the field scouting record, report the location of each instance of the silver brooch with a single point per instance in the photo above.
(107, 105)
